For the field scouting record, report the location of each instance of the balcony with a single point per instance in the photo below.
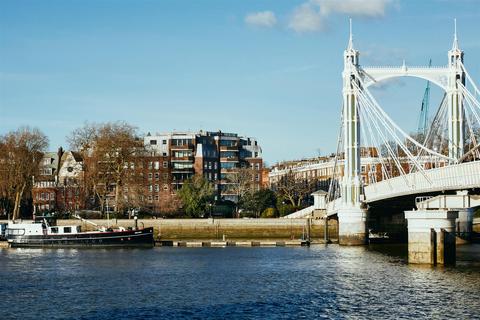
(183, 159)
(229, 148)
(182, 170)
(182, 147)
(229, 159)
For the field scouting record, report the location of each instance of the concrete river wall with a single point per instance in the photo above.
(232, 229)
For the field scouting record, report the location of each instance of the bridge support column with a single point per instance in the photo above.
(464, 226)
(431, 236)
(352, 226)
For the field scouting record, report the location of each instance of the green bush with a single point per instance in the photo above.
(269, 213)
(286, 209)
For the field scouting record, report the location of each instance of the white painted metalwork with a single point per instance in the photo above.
(351, 185)
(452, 177)
(362, 114)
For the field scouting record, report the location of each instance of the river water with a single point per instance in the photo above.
(235, 283)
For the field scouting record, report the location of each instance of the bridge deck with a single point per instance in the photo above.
(454, 177)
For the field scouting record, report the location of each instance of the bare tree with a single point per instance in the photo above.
(109, 151)
(20, 154)
(241, 181)
(295, 188)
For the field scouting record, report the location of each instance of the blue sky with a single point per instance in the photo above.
(268, 69)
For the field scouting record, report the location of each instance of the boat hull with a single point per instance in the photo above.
(128, 238)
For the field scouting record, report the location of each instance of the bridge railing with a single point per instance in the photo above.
(453, 177)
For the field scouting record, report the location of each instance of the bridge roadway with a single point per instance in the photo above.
(462, 176)
(453, 177)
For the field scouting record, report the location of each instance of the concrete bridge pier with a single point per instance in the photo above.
(352, 226)
(464, 225)
(431, 236)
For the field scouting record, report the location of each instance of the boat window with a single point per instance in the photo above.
(79, 229)
(15, 232)
(54, 230)
(67, 230)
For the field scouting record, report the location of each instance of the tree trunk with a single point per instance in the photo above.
(117, 196)
(292, 200)
(18, 199)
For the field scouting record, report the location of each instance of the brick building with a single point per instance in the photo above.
(214, 155)
(59, 184)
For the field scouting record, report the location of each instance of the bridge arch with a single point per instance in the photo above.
(438, 76)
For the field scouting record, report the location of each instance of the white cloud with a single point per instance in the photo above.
(306, 18)
(261, 19)
(312, 15)
(357, 8)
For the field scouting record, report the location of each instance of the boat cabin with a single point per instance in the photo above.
(64, 230)
(32, 229)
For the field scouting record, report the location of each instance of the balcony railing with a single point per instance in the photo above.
(182, 159)
(229, 148)
(182, 147)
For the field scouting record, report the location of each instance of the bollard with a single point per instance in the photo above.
(325, 231)
(433, 247)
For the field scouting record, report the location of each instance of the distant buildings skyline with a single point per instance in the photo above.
(158, 171)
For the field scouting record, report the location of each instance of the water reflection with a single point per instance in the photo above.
(254, 283)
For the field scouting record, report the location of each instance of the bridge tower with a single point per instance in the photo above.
(455, 100)
(351, 217)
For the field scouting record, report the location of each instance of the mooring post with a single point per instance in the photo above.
(325, 230)
(433, 247)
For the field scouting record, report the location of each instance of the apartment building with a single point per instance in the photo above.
(217, 156)
(321, 169)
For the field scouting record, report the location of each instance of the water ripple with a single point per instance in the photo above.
(236, 283)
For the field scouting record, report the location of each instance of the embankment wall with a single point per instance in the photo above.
(179, 229)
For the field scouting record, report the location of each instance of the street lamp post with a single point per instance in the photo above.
(108, 214)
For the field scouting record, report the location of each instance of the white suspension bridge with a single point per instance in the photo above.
(450, 147)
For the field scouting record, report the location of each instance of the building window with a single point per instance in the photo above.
(150, 188)
(156, 198)
(149, 198)
(157, 165)
(52, 196)
(164, 141)
(157, 188)
(165, 187)
(157, 175)
(150, 176)
(165, 164)
(153, 142)
(227, 165)
(165, 176)
(150, 165)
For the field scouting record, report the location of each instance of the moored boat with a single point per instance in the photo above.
(42, 234)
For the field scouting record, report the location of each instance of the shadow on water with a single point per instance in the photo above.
(397, 251)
